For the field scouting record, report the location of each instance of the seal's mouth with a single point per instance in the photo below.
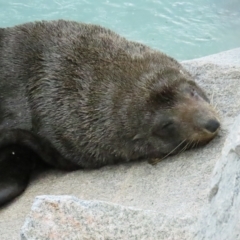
(206, 132)
(199, 139)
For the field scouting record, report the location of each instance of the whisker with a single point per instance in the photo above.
(195, 144)
(186, 146)
(211, 101)
(158, 160)
(183, 149)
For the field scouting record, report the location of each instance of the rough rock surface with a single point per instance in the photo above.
(221, 218)
(66, 217)
(177, 186)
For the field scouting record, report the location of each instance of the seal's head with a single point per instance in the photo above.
(177, 115)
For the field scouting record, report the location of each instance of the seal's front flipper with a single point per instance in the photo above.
(20, 150)
(37, 144)
(16, 165)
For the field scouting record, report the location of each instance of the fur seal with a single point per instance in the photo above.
(78, 95)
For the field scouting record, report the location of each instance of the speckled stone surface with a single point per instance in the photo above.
(221, 218)
(66, 217)
(176, 187)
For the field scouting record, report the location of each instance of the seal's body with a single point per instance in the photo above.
(81, 96)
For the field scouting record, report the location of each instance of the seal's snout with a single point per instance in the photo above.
(200, 120)
(212, 125)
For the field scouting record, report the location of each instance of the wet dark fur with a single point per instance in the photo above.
(81, 96)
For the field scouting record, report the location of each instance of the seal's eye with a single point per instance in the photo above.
(165, 130)
(167, 125)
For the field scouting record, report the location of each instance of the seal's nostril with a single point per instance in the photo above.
(212, 125)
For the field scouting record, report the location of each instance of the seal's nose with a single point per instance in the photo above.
(212, 125)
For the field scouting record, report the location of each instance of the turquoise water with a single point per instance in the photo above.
(182, 29)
